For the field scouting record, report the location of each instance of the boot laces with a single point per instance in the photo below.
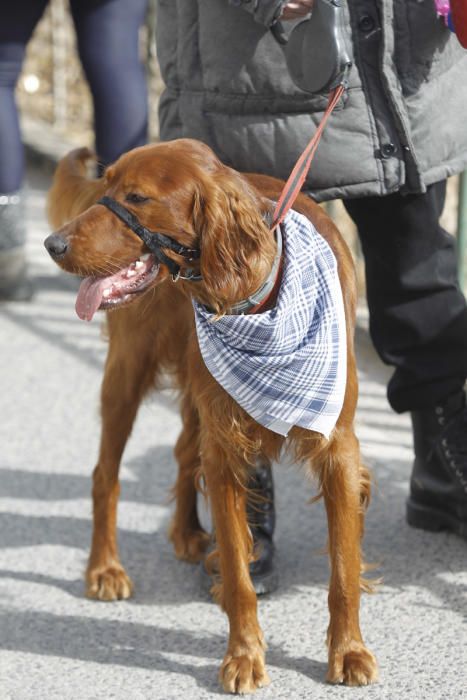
(454, 446)
(260, 500)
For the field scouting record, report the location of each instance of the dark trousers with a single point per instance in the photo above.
(418, 314)
(108, 45)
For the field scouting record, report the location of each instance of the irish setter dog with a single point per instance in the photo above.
(182, 189)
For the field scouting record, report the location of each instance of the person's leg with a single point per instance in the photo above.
(418, 323)
(261, 516)
(418, 314)
(16, 26)
(108, 43)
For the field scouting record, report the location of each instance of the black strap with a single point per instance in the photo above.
(154, 240)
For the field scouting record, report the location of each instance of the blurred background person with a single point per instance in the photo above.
(108, 44)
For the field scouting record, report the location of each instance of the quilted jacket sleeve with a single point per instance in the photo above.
(263, 11)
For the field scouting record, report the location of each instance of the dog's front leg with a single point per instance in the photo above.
(344, 489)
(243, 668)
(127, 376)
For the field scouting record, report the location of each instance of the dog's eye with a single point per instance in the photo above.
(135, 198)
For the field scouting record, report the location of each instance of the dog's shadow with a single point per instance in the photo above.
(132, 645)
(145, 549)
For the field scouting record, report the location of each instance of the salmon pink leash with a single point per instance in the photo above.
(297, 177)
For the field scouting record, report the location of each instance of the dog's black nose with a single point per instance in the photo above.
(56, 246)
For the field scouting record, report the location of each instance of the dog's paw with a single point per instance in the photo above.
(111, 583)
(189, 545)
(355, 666)
(244, 673)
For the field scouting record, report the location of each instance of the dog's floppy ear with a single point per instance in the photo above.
(72, 190)
(235, 241)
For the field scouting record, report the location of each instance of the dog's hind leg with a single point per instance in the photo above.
(344, 491)
(186, 534)
(243, 669)
(127, 377)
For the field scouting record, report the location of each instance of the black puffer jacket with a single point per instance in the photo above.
(404, 124)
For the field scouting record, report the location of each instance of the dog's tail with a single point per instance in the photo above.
(73, 191)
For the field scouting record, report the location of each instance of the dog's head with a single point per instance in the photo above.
(181, 190)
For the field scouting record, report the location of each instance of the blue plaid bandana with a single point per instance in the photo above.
(286, 366)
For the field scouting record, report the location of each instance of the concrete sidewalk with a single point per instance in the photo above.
(168, 641)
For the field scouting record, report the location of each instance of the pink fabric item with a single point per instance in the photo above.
(454, 13)
(443, 8)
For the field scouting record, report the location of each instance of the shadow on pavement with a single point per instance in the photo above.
(132, 645)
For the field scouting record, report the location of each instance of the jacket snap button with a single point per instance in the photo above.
(388, 150)
(366, 24)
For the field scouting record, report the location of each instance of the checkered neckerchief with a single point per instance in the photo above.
(286, 366)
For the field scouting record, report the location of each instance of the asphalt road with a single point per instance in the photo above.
(167, 642)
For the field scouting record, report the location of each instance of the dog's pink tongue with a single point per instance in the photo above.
(89, 297)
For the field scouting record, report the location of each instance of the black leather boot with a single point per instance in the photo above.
(261, 517)
(438, 487)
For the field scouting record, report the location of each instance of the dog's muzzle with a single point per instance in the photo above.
(155, 241)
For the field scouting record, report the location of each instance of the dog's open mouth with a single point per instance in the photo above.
(97, 293)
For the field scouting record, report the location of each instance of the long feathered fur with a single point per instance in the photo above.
(200, 202)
